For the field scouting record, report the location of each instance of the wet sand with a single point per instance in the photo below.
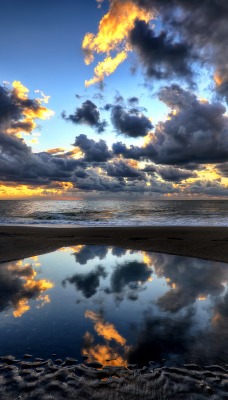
(210, 243)
(56, 379)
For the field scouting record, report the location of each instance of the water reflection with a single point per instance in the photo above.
(113, 354)
(116, 306)
(18, 285)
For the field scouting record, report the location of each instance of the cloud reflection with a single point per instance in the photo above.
(114, 351)
(184, 318)
(87, 283)
(19, 284)
(189, 280)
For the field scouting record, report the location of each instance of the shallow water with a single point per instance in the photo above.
(115, 306)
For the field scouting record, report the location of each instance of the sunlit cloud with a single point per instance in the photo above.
(16, 191)
(105, 353)
(112, 35)
(26, 111)
(108, 331)
(20, 284)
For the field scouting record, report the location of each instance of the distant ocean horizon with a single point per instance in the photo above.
(115, 212)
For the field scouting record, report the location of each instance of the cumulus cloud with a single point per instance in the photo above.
(18, 112)
(172, 174)
(195, 132)
(161, 55)
(112, 36)
(120, 169)
(128, 279)
(87, 283)
(189, 279)
(87, 114)
(190, 32)
(93, 151)
(132, 124)
(88, 253)
(19, 285)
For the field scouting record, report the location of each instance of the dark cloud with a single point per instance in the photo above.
(12, 109)
(150, 169)
(172, 174)
(87, 114)
(18, 164)
(13, 288)
(195, 133)
(87, 283)
(162, 56)
(163, 338)
(208, 188)
(128, 275)
(189, 279)
(119, 169)
(88, 253)
(133, 101)
(202, 25)
(94, 151)
(132, 124)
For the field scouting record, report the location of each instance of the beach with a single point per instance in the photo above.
(211, 243)
(49, 379)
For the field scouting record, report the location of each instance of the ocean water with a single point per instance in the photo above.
(115, 306)
(114, 213)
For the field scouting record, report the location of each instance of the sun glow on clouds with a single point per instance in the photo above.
(9, 191)
(112, 35)
(105, 353)
(30, 111)
(30, 288)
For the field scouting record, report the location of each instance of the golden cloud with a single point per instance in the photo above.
(112, 35)
(29, 114)
(105, 329)
(29, 288)
(105, 353)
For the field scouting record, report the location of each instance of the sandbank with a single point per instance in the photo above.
(17, 242)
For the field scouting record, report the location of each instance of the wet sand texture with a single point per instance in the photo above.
(47, 380)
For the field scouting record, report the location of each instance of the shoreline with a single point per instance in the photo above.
(211, 243)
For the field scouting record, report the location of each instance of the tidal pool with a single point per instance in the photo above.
(115, 306)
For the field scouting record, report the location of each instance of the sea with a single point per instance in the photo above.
(115, 212)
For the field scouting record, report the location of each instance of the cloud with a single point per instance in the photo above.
(190, 32)
(18, 286)
(17, 112)
(161, 55)
(93, 151)
(133, 101)
(172, 174)
(163, 338)
(119, 169)
(129, 276)
(112, 36)
(195, 132)
(88, 253)
(115, 353)
(87, 283)
(203, 25)
(131, 124)
(189, 279)
(87, 114)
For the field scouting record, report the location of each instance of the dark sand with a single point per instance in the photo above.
(50, 380)
(210, 243)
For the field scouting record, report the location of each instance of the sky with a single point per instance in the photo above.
(114, 98)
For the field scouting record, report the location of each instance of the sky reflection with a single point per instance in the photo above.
(116, 306)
